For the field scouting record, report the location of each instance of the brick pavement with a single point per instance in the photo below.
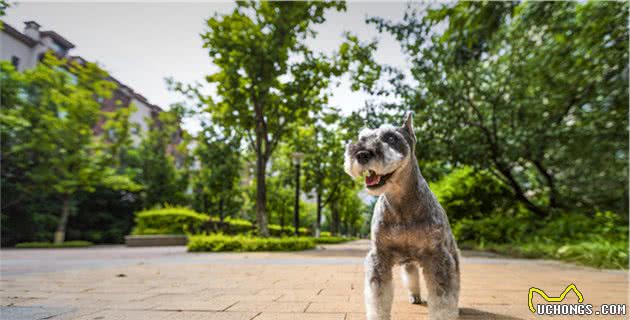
(154, 283)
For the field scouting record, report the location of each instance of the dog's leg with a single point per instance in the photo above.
(411, 280)
(379, 288)
(441, 273)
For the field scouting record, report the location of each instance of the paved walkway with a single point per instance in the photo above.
(106, 283)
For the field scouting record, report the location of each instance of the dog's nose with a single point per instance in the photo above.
(363, 156)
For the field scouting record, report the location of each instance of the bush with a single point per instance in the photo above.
(602, 254)
(466, 193)
(332, 240)
(67, 244)
(276, 230)
(236, 226)
(221, 242)
(325, 234)
(170, 220)
(600, 240)
(495, 228)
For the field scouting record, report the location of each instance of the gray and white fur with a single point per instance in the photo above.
(409, 227)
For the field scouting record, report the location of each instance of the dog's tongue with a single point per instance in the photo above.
(372, 179)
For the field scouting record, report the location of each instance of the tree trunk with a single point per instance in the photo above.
(319, 215)
(261, 196)
(519, 193)
(335, 218)
(553, 200)
(60, 234)
(296, 208)
(221, 215)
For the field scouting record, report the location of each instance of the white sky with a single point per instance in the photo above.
(141, 44)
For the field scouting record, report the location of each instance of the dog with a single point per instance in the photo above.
(409, 226)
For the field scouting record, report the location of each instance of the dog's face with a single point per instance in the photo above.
(379, 154)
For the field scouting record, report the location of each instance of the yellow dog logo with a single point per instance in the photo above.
(553, 299)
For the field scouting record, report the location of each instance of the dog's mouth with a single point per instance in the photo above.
(373, 180)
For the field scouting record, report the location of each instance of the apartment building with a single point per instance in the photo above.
(27, 48)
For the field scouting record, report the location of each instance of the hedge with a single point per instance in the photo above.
(236, 226)
(67, 244)
(221, 242)
(276, 230)
(172, 220)
(332, 240)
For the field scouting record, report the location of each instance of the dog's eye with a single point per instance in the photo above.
(391, 139)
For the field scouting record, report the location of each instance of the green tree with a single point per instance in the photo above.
(281, 189)
(216, 180)
(268, 79)
(163, 182)
(48, 116)
(534, 92)
(323, 147)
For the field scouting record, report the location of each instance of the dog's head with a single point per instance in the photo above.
(379, 154)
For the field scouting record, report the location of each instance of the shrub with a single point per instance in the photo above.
(237, 226)
(276, 230)
(466, 193)
(221, 242)
(325, 234)
(494, 228)
(332, 240)
(600, 240)
(171, 220)
(67, 244)
(602, 254)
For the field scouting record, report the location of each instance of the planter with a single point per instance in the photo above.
(156, 240)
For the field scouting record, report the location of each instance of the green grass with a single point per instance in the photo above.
(239, 243)
(67, 244)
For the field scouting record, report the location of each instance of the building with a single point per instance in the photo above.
(25, 49)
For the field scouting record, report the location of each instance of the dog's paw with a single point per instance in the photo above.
(415, 299)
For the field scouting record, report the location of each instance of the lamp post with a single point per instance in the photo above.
(297, 159)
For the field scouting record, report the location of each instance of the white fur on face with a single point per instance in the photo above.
(392, 159)
(366, 132)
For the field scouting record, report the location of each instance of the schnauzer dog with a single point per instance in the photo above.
(409, 227)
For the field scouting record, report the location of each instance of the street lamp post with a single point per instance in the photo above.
(297, 159)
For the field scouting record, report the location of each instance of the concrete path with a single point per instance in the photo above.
(115, 282)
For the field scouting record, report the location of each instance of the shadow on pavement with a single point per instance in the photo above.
(480, 314)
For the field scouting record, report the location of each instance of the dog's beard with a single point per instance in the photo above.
(391, 161)
(378, 175)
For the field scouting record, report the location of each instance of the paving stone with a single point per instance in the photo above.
(300, 316)
(186, 315)
(269, 306)
(326, 284)
(31, 313)
(128, 314)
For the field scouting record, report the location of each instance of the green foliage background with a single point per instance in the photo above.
(521, 111)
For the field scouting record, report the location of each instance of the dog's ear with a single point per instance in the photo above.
(408, 125)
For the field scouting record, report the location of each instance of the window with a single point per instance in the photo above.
(15, 61)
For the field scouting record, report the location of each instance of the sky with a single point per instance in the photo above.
(142, 43)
